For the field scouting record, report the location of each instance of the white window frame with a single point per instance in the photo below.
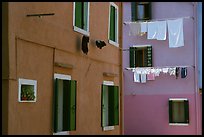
(62, 77)
(77, 29)
(115, 43)
(27, 82)
(178, 124)
(108, 83)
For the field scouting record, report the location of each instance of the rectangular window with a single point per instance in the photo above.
(81, 17)
(140, 56)
(140, 11)
(27, 90)
(109, 106)
(178, 112)
(113, 24)
(64, 103)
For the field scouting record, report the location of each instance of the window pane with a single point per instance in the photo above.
(104, 105)
(85, 17)
(133, 11)
(178, 112)
(140, 12)
(132, 51)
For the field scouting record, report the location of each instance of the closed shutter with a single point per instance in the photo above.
(133, 11)
(72, 105)
(132, 53)
(78, 14)
(170, 112)
(113, 101)
(186, 111)
(104, 106)
(112, 24)
(149, 56)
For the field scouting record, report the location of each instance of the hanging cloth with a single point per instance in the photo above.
(135, 28)
(161, 30)
(152, 30)
(183, 72)
(175, 32)
(150, 76)
(136, 77)
(143, 78)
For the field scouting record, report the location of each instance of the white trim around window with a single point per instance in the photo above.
(22, 81)
(115, 43)
(77, 29)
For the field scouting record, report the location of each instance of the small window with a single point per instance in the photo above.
(81, 17)
(140, 56)
(64, 104)
(27, 90)
(178, 112)
(140, 11)
(113, 24)
(109, 106)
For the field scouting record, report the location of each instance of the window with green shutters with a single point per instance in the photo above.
(113, 23)
(81, 17)
(140, 11)
(178, 111)
(140, 56)
(64, 105)
(109, 105)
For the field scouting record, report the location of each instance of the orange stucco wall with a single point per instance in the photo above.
(37, 44)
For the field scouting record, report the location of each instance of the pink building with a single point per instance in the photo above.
(171, 103)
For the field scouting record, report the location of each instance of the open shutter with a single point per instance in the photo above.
(112, 24)
(186, 111)
(113, 102)
(55, 106)
(72, 105)
(170, 112)
(149, 56)
(133, 11)
(104, 106)
(132, 53)
(78, 14)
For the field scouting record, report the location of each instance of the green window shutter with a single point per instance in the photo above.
(149, 56)
(170, 111)
(112, 24)
(78, 14)
(132, 53)
(186, 111)
(104, 106)
(72, 105)
(65, 105)
(55, 106)
(85, 15)
(113, 102)
(133, 11)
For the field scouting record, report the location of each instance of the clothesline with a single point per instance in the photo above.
(163, 67)
(188, 17)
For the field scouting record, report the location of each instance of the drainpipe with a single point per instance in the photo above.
(196, 66)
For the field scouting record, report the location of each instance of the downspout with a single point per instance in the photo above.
(196, 67)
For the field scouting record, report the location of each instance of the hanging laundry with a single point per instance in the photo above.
(183, 72)
(152, 30)
(143, 28)
(175, 32)
(165, 70)
(135, 28)
(150, 76)
(172, 71)
(136, 77)
(143, 78)
(177, 72)
(161, 30)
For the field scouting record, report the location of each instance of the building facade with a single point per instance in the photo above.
(165, 104)
(68, 56)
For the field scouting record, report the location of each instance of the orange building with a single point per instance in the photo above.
(65, 59)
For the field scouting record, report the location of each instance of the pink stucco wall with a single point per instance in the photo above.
(146, 105)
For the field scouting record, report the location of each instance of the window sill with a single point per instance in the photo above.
(107, 128)
(62, 133)
(178, 124)
(113, 43)
(81, 31)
